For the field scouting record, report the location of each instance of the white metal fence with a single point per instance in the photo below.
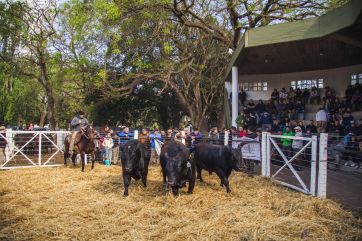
(23, 149)
(45, 148)
(314, 179)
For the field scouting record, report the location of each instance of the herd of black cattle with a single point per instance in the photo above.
(180, 164)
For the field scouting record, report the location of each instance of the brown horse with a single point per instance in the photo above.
(84, 144)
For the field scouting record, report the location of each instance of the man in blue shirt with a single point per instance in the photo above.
(124, 135)
(196, 136)
(155, 135)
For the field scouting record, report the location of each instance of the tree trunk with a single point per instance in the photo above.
(50, 109)
(45, 82)
(42, 118)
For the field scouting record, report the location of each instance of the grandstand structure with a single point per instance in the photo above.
(320, 51)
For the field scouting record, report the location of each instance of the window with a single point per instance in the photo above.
(356, 78)
(255, 86)
(307, 84)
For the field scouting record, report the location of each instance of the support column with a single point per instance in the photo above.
(235, 95)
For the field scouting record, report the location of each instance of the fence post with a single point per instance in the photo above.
(183, 140)
(313, 166)
(263, 154)
(135, 135)
(9, 136)
(322, 166)
(226, 138)
(39, 150)
(268, 154)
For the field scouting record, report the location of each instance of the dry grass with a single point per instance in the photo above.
(65, 204)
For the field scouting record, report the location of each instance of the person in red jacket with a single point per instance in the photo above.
(241, 131)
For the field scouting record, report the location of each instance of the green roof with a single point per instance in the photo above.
(285, 36)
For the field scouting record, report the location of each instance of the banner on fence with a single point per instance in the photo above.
(250, 150)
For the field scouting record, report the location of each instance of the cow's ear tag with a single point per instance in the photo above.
(188, 164)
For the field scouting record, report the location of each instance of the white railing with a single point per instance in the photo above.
(318, 181)
(32, 148)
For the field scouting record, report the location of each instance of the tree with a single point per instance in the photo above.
(30, 53)
(236, 16)
(183, 43)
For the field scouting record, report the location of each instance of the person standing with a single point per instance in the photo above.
(214, 137)
(266, 122)
(108, 145)
(297, 145)
(155, 136)
(321, 118)
(124, 135)
(196, 137)
(78, 123)
(287, 142)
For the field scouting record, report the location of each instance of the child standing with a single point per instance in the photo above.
(108, 144)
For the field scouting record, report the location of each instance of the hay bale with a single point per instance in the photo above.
(64, 204)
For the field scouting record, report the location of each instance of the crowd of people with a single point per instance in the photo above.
(285, 114)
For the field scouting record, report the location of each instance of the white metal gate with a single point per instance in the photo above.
(316, 188)
(32, 148)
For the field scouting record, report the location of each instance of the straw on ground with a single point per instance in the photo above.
(65, 204)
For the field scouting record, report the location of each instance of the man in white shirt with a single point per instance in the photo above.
(321, 118)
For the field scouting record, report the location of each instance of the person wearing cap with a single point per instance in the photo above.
(3, 143)
(78, 123)
(155, 135)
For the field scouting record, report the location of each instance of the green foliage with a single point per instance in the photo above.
(102, 43)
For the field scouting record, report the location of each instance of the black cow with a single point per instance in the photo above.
(177, 166)
(219, 159)
(134, 163)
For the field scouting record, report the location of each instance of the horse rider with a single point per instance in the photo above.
(78, 123)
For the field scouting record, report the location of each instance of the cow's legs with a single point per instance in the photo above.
(126, 181)
(221, 174)
(191, 183)
(227, 174)
(164, 176)
(199, 173)
(144, 178)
